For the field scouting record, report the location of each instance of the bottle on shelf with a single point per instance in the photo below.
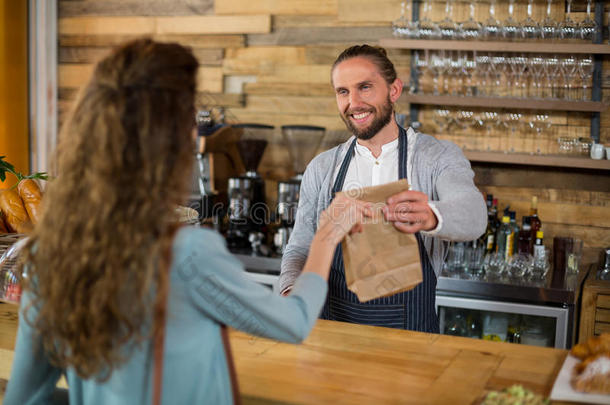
(535, 222)
(525, 244)
(488, 239)
(504, 238)
(516, 229)
(604, 272)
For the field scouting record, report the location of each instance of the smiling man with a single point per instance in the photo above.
(442, 205)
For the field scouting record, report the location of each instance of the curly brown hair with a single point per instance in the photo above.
(123, 162)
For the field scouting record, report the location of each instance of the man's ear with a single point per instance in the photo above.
(395, 90)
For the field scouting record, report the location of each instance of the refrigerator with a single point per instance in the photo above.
(521, 314)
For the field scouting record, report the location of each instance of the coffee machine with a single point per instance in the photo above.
(302, 142)
(247, 219)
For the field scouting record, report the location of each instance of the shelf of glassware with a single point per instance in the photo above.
(573, 162)
(505, 102)
(497, 46)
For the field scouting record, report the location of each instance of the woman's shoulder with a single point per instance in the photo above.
(190, 239)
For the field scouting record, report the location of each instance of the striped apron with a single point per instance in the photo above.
(413, 310)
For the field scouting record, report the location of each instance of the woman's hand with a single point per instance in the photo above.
(343, 216)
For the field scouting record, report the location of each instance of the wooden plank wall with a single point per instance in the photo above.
(268, 61)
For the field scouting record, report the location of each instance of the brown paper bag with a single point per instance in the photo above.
(380, 261)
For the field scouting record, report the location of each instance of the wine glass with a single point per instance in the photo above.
(439, 65)
(469, 70)
(514, 123)
(428, 29)
(482, 74)
(551, 72)
(490, 119)
(588, 26)
(517, 65)
(448, 27)
(530, 29)
(541, 123)
(511, 29)
(548, 27)
(585, 71)
(568, 66)
(492, 28)
(405, 27)
(569, 29)
(535, 65)
(471, 29)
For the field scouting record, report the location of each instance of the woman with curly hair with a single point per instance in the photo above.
(105, 272)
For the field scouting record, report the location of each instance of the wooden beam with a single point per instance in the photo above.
(321, 35)
(74, 54)
(206, 99)
(366, 10)
(584, 197)
(292, 105)
(107, 25)
(289, 89)
(298, 74)
(195, 41)
(135, 8)
(255, 24)
(277, 7)
(239, 24)
(243, 115)
(76, 75)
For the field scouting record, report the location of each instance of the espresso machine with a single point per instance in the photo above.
(302, 142)
(247, 219)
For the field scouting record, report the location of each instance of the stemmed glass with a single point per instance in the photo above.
(548, 28)
(551, 71)
(569, 29)
(469, 69)
(439, 63)
(585, 71)
(540, 124)
(482, 73)
(490, 119)
(511, 29)
(399, 26)
(588, 26)
(530, 29)
(492, 28)
(517, 65)
(471, 29)
(428, 29)
(514, 123)
(535, 64)
(568, 68)
(449, 29)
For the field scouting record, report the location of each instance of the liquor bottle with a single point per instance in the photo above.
(504, 239)
(516, 229)
(494, 213)
(535, 222)
(539, 245)
(525, 237)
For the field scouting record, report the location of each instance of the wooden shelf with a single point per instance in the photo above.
(497, 46)
(537, 160)
(502, 102)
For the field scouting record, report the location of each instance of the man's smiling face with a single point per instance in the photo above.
(363, 96)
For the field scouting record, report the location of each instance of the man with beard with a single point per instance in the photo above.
(442, 205)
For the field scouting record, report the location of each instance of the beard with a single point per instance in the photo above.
(380, 121)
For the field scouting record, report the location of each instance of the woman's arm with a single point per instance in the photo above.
(33, 378)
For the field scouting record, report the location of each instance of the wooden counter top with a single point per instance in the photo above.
(353, 364)
(342, 363)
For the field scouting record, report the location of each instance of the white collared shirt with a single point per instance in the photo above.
(365, 170)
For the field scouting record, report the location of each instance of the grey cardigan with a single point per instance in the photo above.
(439, 169)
